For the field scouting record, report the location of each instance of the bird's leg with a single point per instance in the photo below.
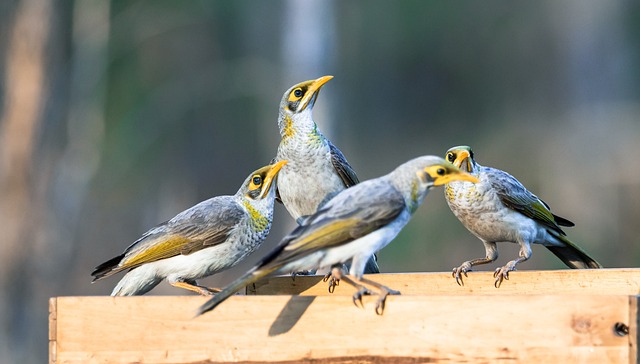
(502, 273)
(491, 254)
(336, 271)
(193, 286)
(384, 292)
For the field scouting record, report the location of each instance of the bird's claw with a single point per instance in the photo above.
(357, 297)
(333, 283)
(380, 304)
(464, 268)
(500, 274)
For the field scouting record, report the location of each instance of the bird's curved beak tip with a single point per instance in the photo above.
(313, 91)
(322, 80)
(271, 176)
(469, 178)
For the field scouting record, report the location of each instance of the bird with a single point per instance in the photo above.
(205, 239)
(351, 226)
(500, 209)
(317, 169)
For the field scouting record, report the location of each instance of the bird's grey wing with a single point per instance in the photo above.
(342, 167)
(352, 214)
(205, 224)
(516, 197)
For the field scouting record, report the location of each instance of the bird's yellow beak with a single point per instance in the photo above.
(462, 157)
(270, 177)
(445, 173)
(456, 176)
(313, 90)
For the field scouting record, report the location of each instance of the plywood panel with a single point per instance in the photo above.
(436, 328)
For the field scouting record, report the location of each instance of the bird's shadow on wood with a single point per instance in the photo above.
(290, 314)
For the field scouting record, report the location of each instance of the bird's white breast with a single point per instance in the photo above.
(480, 210)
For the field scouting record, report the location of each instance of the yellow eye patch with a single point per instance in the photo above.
(436, 171)
(296, 94)
(451, 157)
(256, 182)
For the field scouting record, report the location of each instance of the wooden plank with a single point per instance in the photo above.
(569, 281)
(634, 321)
(53, 330)
(288, 329)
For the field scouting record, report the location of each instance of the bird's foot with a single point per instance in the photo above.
(502, 273)
(194, 287)
(333, 281)
(380, 303)
(357, 297)
(459, 271)
(210, 290)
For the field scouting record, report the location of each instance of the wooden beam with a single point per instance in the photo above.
(634, 334)
(569, 281)
(288, 329)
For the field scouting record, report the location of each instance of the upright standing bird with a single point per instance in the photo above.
(317, 169)
(499, 208)
(353, 225)
(205, 239)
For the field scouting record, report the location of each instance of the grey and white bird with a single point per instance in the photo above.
(351, 226)
(317, 169)
(500, 209)
(205, 239)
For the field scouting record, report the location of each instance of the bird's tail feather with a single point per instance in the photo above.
(250, 277)
(572, 255)
(107, 268)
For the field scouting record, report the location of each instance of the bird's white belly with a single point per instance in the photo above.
(484, 215)
(200, 264)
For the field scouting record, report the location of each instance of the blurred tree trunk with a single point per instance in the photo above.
(308, 44)
(51, 131)
(22, 116)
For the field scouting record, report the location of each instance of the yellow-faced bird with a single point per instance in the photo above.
(205, 239)
(499, 208)
(317, 169)
(352, 226)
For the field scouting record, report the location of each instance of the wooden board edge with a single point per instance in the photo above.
(634, 321)
(53, 330)
(595, 281)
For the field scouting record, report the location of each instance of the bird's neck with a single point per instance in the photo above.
(412, 190)
(257, 220)
(297, 125)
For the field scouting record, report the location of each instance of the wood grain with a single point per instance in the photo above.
(287, 329)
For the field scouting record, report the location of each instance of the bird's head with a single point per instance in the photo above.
(462, 157)
(262, 182)
(415, 177)
(297, 103)
(303, 96)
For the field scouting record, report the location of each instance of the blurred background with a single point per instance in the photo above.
(117, 115)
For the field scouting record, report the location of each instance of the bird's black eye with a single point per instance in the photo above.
(297, 92)
(440, 171)
(257, 180)
(451, 157)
